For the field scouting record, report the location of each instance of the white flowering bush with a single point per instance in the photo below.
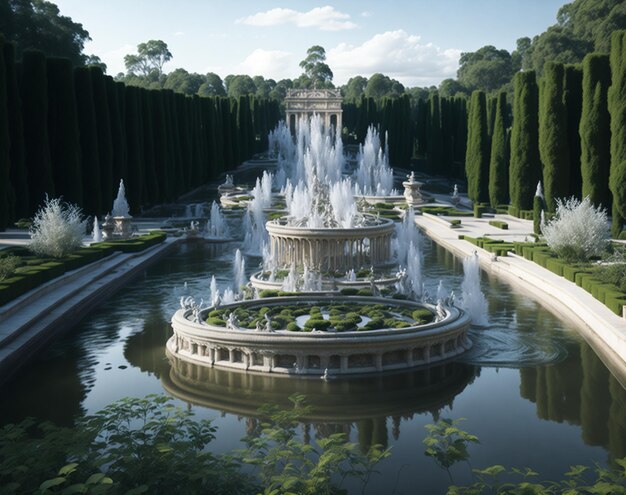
(578, 230)
(58, 229)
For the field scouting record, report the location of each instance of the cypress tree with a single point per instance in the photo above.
(460, 135)
(161, 151)
(228, 134)
(134, 146)
(120, 89)
(553, 145)
(435, 142)
(477, 155)
(179, 174)
(90, 156)
(18, 177)
(35, 111)
(492, 103)
(595, 138)
(423, 118)
(573, 100)
(499, 158)
(5, 170)
(525, 167)
(118, 145)
(63, 130)
(108, 185)
(447, 132)
(617, 108)
(151, 182)
(182, 120)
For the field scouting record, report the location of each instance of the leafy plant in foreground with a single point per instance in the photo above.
(448, 444)
(287, 465)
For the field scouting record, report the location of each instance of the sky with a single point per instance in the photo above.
(417, 42)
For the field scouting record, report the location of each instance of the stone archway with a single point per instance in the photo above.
(304, 103)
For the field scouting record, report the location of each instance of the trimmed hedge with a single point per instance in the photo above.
(608, 294)
(499, 224)
(445, 211)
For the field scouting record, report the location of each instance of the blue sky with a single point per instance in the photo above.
(417, 42)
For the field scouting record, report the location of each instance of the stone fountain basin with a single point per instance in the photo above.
(311, 353)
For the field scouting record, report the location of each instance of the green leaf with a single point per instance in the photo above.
(491, 470)
(50, 483)
(94, 479)
(68, 469)
(576, 470)
(76, 488)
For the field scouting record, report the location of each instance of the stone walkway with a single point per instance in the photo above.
(604, 330)
(30, 321)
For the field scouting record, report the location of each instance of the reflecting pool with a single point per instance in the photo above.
(531, 389)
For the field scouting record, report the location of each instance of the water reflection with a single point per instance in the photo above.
(580, 391)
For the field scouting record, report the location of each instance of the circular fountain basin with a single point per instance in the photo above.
(331, 249)
(260, 281)
(316, 352)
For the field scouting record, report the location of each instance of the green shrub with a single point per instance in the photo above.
(216, 321)
(364, 292)
(555, 266)
(293, 327)
(268, 293)
(499, 224)
(479, 210)
(8, 265)
(374, 324)
(422, 315)
(349, 291)
(317, 323)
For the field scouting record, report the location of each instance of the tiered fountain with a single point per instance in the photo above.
(314, 322)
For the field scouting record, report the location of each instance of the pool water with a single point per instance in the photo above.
(531, 388)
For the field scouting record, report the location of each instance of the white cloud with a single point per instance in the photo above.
(274, 64)
(367, 13)
(396, 54)
(179, 33)
(325, 18)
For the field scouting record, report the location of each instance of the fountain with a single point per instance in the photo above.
(412, 190)
(97, 234)
(121, 214)
(327, 271)
(473, 300)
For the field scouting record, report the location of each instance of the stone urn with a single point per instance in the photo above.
(412, 190)
(108, 227)
(227, 187)
(123, 226)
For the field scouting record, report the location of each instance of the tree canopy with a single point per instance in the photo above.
(315, 67)
(149, 59)
(39, 24)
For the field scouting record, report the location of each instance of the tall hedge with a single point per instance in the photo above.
(595, 140)
(525, 167)
(19, 204)
(460, 135)
(151, 183)
(35, 113)
(5, 171)
(477, 155)
(134, 146)
(499, 156)
(573, 100)
(108, 183)
(90, 156)
(617, 109)
(63, 130)
(553, 144)
(161, 149)
(435, 141)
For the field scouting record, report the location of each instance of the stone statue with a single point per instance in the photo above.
(232, 323)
